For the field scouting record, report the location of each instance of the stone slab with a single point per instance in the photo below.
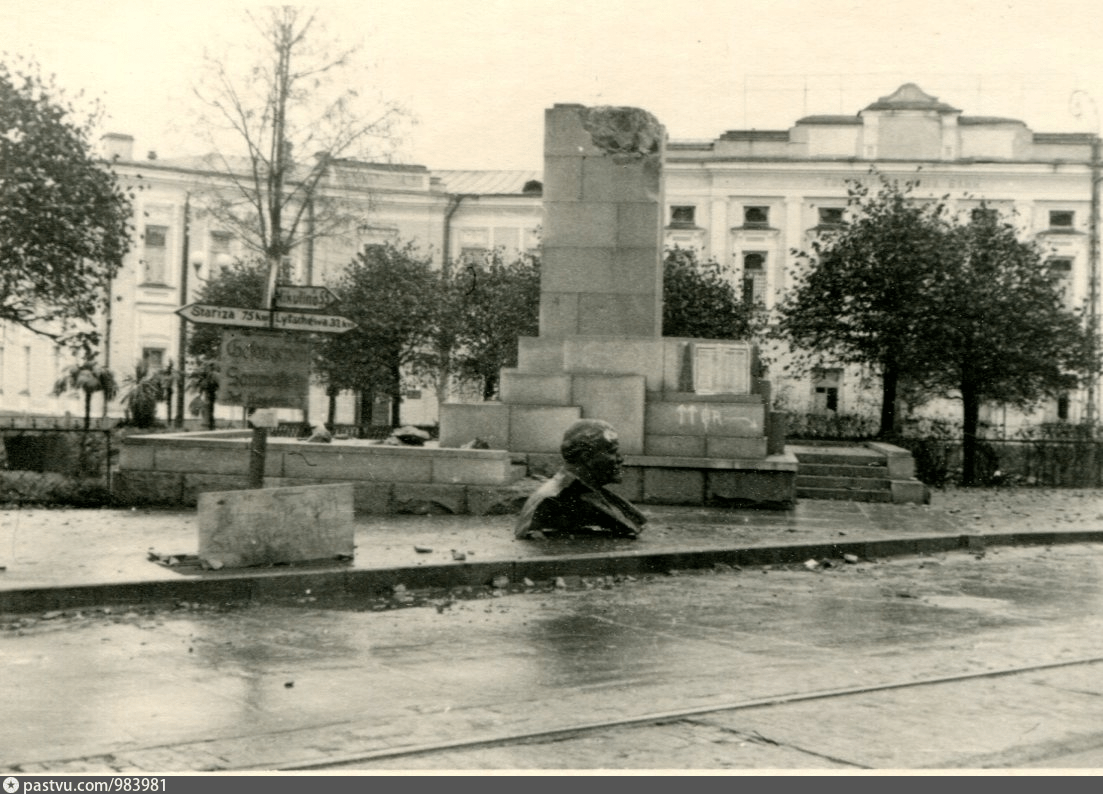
(539, 354)
(612, 355)
(272, 526)
(148, 487)
(573, 269)
(380, 464)
(620, 313)
(461, 423)
(534, 428)
(558, 313)
(910, 492)
(535, 388)
(580, 224)
(744, 420)
(473, 469)
(751, 487)
(900, 463)
(677, 446)
(639, 223)
(616, 399)
(735, 447)
(673, 486)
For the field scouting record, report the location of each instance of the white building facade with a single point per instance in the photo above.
(747, 199)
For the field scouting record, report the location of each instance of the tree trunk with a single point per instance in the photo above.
(88, 410)
(331, 415)
(211, 396)
(490, 386)
(890, 379)
(970, 420)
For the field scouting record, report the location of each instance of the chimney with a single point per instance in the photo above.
(117, 146)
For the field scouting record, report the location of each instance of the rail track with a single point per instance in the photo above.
(652, 718)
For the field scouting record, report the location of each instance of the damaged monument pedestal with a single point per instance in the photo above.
(693, 421)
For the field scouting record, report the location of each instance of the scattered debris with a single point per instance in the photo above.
(288, 684)
(529, 583)
(423, 550)
(398, 589)
(560, 583)
(851, 558)
(500, 581)
(811, 565)
(458, 555)
(475, 443)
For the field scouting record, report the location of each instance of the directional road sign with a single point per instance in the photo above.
(294, 296)
(207, 314)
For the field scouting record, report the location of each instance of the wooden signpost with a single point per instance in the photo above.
(264, 368)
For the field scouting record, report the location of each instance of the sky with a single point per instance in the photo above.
(477, 76)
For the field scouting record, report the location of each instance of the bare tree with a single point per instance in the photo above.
(291, 114)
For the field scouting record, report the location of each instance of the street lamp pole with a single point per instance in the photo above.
(1076, 106)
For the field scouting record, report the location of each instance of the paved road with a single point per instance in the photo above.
(334, 684)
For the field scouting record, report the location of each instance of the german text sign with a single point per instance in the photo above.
(294, 296)
(207, 314)
(263, 370)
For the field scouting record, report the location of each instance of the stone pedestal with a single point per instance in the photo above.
(681, 407)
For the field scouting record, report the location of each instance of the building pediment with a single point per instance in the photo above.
(911, 97)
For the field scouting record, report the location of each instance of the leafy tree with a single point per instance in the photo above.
(389, 291)
(997, 324)
(700, 300)
(498, 302)
(859, 294)
(87, 378)
(294, 113)
(64, 219)
(142, 393)
(202, 379)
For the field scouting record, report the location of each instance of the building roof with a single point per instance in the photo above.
(755, 135)
(828, 119)
(487, 183)
(979, 120)
(911, 97)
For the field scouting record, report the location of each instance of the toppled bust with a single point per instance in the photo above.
(575, 501)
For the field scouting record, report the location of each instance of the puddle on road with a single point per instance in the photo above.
(967, 602)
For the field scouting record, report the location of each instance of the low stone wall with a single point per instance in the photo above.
(173, 469)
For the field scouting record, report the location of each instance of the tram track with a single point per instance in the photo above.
(349, 761)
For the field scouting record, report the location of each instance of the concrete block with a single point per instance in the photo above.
(429, 499)
(900, 463)
(631, 485)
(636, 270)
(705, 419)
(910, 492)
(615, 355)
(778, 427)
(490, 468)
(599, 179)
(483, 500)
(374, 463)
(572, 269)
(372, 498)
(639, 224)
(136, 456)
(735, 447)
(674, 446)
(534, 388)
(616, 399)
(464, 422)
(580, 224)
(564, 134)
(148, 488)
(534, 428)
(673, 486)
(752, 487)
(231, 458)
(270, 526)
(539, 354)
(637, 314)
(558, 313)
(563, 177)
(196, 483)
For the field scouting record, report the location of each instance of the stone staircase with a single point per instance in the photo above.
(866, 473)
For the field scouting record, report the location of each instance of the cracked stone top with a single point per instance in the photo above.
(623, 130)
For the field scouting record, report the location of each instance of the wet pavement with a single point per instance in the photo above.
(342, 683)
(57, 559)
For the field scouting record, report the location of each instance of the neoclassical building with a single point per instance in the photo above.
(747, 198)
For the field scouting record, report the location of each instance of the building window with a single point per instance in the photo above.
(831, 216)
(474, 256)
(153, 359)
(754, 277)
(979, 214)
(756, 217)
(683, 216)
(825, 391)
(221, 249)
(1061, 219)
(1063, 407)
(1060, 273)
(155, 255)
